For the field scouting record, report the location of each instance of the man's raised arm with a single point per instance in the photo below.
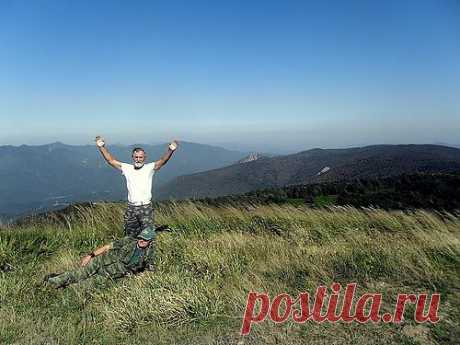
(100, 143)
(163, 160)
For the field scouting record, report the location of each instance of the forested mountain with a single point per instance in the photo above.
(46, 176)
(309, 167)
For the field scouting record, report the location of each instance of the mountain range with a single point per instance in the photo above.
(40, 178)
(36, 178)
(314, 166)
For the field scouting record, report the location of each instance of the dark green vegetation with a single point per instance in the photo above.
(206, 268)
(428, 191)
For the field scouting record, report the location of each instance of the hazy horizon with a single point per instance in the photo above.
(272, 76)
(233, 146)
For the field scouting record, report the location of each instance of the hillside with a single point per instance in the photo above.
(213, 259)
(37, 178)
(304, 168)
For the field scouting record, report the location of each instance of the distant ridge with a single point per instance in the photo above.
(377, 161)
(36, 178)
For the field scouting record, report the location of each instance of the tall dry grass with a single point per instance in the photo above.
(215, 256)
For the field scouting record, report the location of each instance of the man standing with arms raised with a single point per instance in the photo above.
(139, 213)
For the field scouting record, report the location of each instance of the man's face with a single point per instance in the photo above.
(138, 159)
(142, 243)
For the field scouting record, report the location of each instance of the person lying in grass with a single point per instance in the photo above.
(115, 260)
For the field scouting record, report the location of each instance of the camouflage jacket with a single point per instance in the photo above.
(126, 251)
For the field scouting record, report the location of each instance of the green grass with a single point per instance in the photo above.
(206, 268)
(325, 200)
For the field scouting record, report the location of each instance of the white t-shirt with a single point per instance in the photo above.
(139, 182)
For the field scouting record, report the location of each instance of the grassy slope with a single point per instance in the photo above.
(207, 267)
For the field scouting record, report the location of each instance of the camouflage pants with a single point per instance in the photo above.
(137, 218)
(105, 266)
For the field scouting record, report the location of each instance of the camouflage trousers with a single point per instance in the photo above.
(105, 266)
(137, 218)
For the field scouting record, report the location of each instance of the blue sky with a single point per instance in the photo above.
(257, 75)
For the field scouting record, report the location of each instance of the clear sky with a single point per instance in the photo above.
(262, 75)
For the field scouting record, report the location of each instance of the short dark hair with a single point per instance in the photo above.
(137, 149)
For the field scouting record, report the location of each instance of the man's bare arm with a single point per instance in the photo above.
(99, 251)
(106, 154)
(163, 160)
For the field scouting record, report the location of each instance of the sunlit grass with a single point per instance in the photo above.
(207, 266)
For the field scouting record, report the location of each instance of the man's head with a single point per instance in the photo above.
(138, 157)
(145, 237)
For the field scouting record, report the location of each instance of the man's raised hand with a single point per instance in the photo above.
(173, 145)
(100, 142)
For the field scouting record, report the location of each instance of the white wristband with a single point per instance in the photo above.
(172, 146)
